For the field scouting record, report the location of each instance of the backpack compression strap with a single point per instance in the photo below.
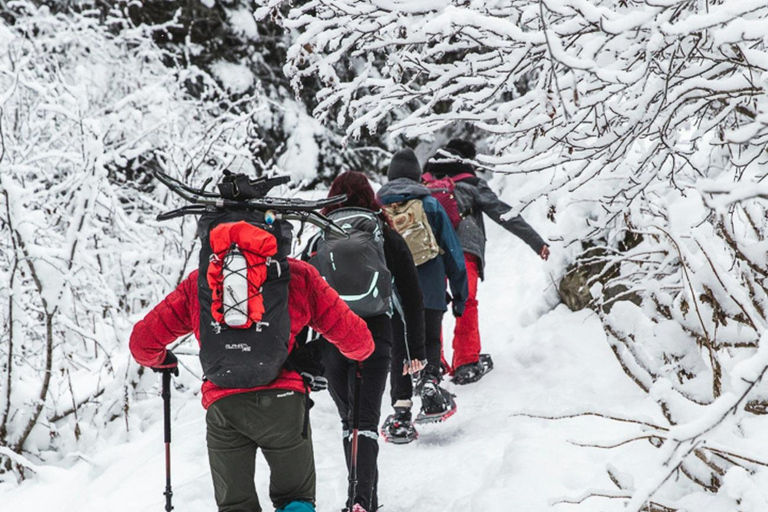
(429, 177)
(258, 246)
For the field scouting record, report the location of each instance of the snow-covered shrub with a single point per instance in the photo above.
(88, 107)
(630, 116)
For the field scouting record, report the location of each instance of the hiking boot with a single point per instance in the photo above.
(398, 427)
(473, 372)
(437, 404)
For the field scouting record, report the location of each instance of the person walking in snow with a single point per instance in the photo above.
(362, 269)
(474, 198)
(270, 417)
(437, 253)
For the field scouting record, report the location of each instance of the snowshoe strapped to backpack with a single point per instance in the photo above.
(243, 293)
(356, 266)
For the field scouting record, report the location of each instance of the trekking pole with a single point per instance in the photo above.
(413, 376)
(167, 425)
(355, 429)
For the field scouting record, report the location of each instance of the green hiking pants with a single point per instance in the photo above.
(271, 420)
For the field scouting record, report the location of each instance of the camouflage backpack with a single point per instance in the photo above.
(410, 220)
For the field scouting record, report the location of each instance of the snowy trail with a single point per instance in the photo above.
(485, 458)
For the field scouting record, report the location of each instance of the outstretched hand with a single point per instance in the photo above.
(544, 254)
(414, 366)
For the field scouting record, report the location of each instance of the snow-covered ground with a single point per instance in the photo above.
(488, 457)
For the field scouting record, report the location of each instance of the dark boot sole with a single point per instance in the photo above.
(436, 417)
(487, 364)
(396, 439)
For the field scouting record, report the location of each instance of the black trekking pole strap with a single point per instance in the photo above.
(355, 432)
(167, 427)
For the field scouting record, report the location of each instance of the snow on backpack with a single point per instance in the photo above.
(410, 220)
(443, 190)
(243, 293)
(356, 266)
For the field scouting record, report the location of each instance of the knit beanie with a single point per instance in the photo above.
(404, 164)
(462, 148)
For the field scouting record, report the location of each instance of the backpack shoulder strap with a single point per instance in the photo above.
(311, 247)
(463, 176)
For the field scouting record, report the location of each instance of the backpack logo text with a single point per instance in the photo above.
(243, 347)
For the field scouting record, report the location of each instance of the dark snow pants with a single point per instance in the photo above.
(271, 420)
(402, 388)
(340, 373)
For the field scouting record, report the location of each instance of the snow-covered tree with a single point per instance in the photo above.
(247, 57)
(90, 105)
(641, 127)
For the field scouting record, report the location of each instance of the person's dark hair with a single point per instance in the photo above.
(462, 148)
(359, 194)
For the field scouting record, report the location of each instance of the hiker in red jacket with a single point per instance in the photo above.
(270, 417)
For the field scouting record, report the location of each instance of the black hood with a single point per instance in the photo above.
(439, 166)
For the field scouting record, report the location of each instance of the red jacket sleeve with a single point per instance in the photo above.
(331, 317)
(168, 320)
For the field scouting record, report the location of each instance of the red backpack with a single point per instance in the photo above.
(442, 190)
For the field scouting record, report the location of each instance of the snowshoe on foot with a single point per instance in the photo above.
(437, 404)
(398, 428)
(473, 372)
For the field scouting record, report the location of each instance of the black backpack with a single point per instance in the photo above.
(253, 354)
(355, 266)
(252, 236)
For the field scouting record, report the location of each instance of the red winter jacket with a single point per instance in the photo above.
(310, 302)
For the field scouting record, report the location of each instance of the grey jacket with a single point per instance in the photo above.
(474, 198)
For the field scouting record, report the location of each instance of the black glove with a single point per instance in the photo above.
(169, 364)
(457, 308)
(307, 360)
(315, 382)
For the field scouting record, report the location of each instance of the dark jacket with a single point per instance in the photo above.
(450, 263)
(474, 198)
(408, 290)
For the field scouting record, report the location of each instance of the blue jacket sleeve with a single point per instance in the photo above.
(453, 255)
